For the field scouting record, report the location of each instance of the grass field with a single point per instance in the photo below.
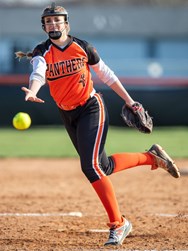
(38, 196)
(54, 141)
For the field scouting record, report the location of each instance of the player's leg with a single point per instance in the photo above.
(156, 157)
(127, 160)
(91, 136)
(88, 135)
(96, 165)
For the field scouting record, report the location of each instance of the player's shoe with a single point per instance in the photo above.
(118, 232)
(163, 160)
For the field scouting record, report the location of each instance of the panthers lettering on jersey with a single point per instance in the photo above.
(68, 73)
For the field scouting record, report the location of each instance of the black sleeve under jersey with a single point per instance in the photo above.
(40, 49)
(93, 56)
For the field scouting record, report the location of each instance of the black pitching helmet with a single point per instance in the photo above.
(54, 10)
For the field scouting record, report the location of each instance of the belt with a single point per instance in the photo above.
(73, 107)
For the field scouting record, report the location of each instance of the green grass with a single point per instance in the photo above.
(54, 142)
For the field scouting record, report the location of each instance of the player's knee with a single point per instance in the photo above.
(89, 173)
(108, 168)
(94, 173)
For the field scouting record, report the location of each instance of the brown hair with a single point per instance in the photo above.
(21, 54)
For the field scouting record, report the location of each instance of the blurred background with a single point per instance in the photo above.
(145, 42)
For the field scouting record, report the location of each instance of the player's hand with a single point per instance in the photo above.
(30, 96)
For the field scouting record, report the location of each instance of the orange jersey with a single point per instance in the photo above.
(68, 73)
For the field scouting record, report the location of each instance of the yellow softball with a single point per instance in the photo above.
(21, 121)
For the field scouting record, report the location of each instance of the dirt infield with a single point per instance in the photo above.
(40, 200)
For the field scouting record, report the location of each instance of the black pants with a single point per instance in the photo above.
(87, 127)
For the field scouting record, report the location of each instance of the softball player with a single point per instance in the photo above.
(64, 62)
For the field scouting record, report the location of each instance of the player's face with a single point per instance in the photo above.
(54, 23)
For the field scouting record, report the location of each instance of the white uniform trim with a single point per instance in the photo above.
(95, 157)
(39, 70)
(104, 73)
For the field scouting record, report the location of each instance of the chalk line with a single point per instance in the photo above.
(78, 214)
(74, 214)
(99, 230)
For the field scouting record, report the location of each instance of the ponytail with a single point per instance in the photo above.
(20, 54)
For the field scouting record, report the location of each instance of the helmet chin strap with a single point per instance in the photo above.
(55, 35)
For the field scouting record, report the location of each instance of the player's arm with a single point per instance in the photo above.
(109, 78)
(36, 81)
(121, 91)
(31, 92)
